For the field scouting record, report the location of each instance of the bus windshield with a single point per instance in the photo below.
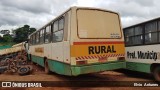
(98, 24)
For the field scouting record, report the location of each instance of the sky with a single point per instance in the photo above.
(36, 13)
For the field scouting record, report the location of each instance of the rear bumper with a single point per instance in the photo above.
(77, 70)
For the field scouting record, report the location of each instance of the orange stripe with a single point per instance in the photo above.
(86, 43)
(99, 56)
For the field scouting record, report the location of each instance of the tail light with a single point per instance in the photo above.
(121, 58)
(81, 62)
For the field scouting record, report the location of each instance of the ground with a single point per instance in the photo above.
(118, 75)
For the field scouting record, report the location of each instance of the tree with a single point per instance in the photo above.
(7, 38)
(22, 33)
(1, 39)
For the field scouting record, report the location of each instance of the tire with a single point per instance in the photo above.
(156, 74)
(30, 68)
(46, 68)
(23, 70)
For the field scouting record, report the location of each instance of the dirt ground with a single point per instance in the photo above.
(118, 75)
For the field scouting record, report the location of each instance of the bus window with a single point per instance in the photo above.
(103, 24)
(129, 33)
(134, 35)
(37, 38)
(61, 24)
(151, 38)
(47, 34)
(130, 40)
(138, 30)
(55, 26)
(158, 25)
(58, 34)
(42, 36)
(159, 31)
(151, 33)
(138, 38)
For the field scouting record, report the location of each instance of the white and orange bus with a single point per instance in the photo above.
(79, 41)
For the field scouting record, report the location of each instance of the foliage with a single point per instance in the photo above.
(22, 33)
(1, 39)
(7, 38)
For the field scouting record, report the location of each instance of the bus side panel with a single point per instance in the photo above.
(47, 51)
(143, 54)
(67, 27)
(66, 51)
(37, 54)
(140, 58)
(37, 59)
(59, 67)
(141, 67)
(31, 49)
(57, 51)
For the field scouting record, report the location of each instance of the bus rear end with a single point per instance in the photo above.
(97, 42)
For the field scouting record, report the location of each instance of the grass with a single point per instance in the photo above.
(7, 43)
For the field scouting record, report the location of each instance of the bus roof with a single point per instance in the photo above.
(74, 7)
(151, 20)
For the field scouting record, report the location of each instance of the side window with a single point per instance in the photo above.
(159, 30)
(58, 33)
(129, 33)
(151, 33)
(55, 26)
(138, 37)
(42, 36)
(47, 34)
(147, 33)
(138, 30)
(58, 36)
(129, 40)
(61, 24)
(158, 25)
(151, 27)
(134, 35)
(37, 38)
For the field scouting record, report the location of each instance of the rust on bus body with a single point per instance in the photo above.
(39, 50)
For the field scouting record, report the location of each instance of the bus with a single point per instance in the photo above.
(79, 41)
(142, 42)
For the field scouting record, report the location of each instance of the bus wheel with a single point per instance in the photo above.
(46, 67)
(156, 73)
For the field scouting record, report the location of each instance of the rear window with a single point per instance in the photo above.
(98, 24)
